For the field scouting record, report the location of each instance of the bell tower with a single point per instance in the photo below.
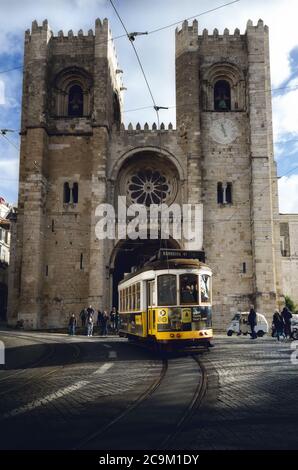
(225, 122)
(71, 101)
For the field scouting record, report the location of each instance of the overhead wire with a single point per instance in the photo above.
(153, 31)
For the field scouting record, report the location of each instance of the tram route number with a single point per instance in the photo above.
(152, 459)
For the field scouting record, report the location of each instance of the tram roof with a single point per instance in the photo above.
(178, 263)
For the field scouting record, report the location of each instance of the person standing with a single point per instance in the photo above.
(72, 325)
(105, 319)
(278, 324)
(252, 321)
(99, 321)
(117, 322)
(113, 319)
(89, 319)
(287, 316)
(83, 317)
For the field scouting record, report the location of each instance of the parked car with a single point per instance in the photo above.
(239, 325)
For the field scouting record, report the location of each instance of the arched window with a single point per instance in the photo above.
(222, 96)
(66, 193)
(75, 101)
(75, 193)
(219, 193)
(224, 193)
(229, 193)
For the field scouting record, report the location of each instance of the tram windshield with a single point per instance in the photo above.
(188, 289)
(166, 288)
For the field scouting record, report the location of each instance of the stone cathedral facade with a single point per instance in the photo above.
(77, 154)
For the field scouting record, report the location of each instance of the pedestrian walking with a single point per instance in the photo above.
(287, 316)
(72, 325)
(278, 324)
(252, 321)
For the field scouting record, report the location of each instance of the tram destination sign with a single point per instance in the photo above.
(167, 253)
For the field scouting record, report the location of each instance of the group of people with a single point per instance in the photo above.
(90, 319)
(281, 323)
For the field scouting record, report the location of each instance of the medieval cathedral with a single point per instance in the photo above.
(76, 154)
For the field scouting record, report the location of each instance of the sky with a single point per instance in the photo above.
(145, 15)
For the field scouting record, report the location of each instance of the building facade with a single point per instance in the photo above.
(289, 252)
(5, 210)
(77, 154)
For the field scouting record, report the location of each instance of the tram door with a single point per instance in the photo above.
(150, 293)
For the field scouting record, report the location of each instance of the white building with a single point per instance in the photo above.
(4, 231)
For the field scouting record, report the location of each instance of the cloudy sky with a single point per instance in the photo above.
(157, 54)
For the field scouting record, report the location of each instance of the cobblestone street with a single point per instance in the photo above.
(59, 392)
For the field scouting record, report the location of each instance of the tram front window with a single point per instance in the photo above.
(167, 289)
(188, 289)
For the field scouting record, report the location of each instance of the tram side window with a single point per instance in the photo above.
(188, 289)
(138, 296)
(121, 299)
(133, 298)
(167, 289)
(205, 288)
(126, 299)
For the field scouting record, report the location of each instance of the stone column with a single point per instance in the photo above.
(188, 109)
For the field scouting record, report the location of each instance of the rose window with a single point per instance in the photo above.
(149, 186)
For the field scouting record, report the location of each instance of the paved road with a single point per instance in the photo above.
(58, 392)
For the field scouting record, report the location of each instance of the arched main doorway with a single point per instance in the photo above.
(133, 253)
(144, 176)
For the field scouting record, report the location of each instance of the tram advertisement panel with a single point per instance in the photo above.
(132, 323)
(186, 315)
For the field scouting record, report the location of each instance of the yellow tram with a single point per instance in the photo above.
(168, 301)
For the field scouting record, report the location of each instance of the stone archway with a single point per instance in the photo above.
(144, 176)
(133, 253)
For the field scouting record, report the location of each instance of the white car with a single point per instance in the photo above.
(239, 325)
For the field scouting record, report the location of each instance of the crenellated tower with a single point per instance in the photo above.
(224, 109)
(76, 154)
(71, 100)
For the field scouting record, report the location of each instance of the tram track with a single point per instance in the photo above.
(142, 398)
(177, 377)
(49, 354)
(126, 419)
(193, 406)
